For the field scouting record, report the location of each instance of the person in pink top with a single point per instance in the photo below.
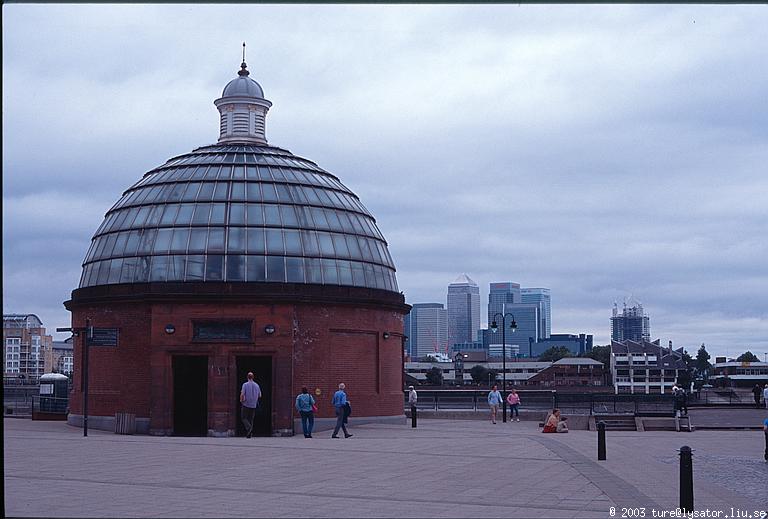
(513, 399)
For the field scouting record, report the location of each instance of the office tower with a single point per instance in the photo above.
(463, 310)
(528, 331)
(427, 329)
(499, 295)
(632, 324)
(541, 297)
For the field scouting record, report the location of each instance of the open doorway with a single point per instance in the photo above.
(190, 395)
(261, 366)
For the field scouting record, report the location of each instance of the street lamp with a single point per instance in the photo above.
(494, 328)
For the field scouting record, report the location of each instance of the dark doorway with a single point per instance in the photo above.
(262, 374)
(190, 395)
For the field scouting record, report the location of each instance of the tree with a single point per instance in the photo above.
(684, 379)
(555, 353)
(747, 356)
(479, 374)
(600, 354)
(435, 376)
(702, 362)
(687, 359)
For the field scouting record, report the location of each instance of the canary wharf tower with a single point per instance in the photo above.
(236, 257)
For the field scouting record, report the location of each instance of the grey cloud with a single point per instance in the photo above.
(595, 151)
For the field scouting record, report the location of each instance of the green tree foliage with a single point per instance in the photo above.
(702, 361)
(688, 359)
(435, 376)
(600, 354)
(555, 353)
(479, 373)
(747, 356)
(684, 379)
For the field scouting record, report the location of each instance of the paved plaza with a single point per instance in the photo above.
(444, 468)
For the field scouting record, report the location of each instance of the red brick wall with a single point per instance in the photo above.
(314, 345)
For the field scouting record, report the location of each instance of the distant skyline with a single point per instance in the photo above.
(601, 151)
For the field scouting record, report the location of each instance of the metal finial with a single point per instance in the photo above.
(243, 67)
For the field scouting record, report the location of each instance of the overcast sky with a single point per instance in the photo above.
(599, 151)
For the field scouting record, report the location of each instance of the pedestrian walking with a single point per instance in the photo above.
(765, 396)
(765, 431)
(305, 404)
(513, 399)
(757, 392)
(494, 401)
(250, 394)
(340, 406)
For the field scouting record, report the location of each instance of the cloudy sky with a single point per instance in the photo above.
(600, 151)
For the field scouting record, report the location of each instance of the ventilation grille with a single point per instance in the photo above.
(240, 123)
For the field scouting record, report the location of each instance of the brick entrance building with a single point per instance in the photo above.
(238, 257)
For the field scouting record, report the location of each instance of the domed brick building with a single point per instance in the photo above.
(237, 257)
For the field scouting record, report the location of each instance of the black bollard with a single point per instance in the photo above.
(413, 416)
(601, 440)
(686, 479)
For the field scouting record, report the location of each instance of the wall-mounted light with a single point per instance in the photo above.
(170, 329)
(386, 335)
(269, 329)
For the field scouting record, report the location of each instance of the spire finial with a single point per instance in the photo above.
(243, 67)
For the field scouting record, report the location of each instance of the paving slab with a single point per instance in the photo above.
(443, 468)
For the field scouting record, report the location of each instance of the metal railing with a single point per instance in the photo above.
(574, 403)
(473, 399)
(25, 403)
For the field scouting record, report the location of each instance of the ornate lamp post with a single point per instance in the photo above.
(494, 328)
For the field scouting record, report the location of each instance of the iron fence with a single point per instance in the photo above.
(636, 404)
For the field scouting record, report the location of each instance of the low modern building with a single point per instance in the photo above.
(499, 351)
(645, 367)
(739, 374)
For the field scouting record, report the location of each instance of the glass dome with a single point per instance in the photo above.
(239, 213)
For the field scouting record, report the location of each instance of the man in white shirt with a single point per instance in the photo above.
(765, 396)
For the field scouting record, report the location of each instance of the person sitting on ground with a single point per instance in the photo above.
(562, 426)
(553, 419)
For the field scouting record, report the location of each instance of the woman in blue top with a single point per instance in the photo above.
(494, 401)
(765, 430)
(304, 404)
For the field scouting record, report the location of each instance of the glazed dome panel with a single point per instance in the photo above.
(239, 213)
